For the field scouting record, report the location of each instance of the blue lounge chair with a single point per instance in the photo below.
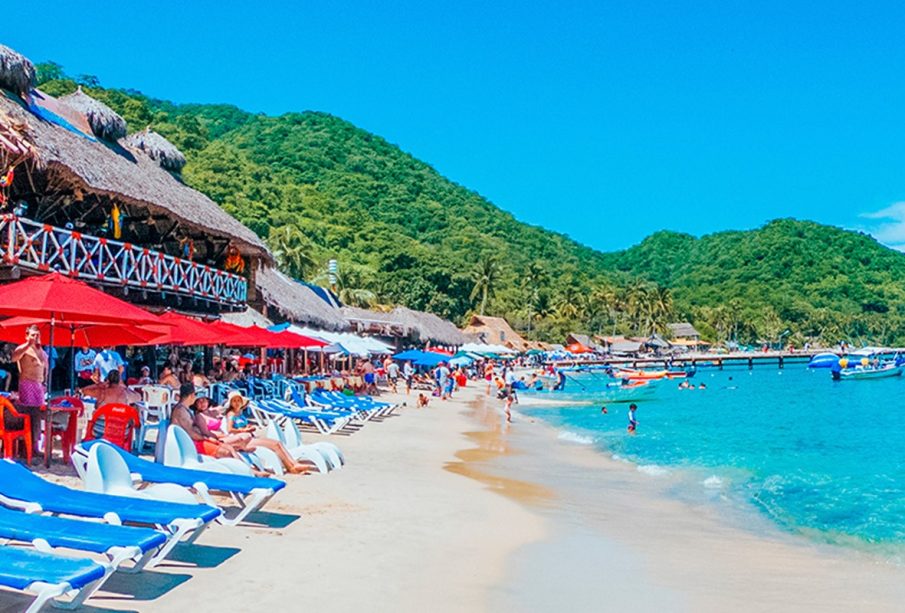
(21, 489)
(326, 422)
(49, 576)
(250, 493)
(118, 543)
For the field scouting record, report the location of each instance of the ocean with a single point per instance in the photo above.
(819, 458)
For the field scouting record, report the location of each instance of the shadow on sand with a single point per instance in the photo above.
(198, 556)
(146, 585)
(269, 519)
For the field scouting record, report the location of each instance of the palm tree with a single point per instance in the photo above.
(569, 304)
(353, 285)
(661, 308)
(292, 250)
(485, 276)
(534, 278)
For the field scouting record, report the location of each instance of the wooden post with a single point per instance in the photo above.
(750, 362)
(720, 363)
(780, 360)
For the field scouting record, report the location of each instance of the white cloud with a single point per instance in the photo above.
(888, 225)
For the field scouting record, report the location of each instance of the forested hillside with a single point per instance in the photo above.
(316, 187)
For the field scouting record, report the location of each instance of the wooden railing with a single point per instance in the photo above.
(43, 247)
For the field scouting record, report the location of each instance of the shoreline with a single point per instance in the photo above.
(629, 541)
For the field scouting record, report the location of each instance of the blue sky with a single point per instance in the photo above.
(603, 120)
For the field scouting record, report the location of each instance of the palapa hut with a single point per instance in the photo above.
(495, 331)
(375, 322)
(158, 148)
(294, 301)
(429, 328)
(105, 122)
(17, 73)
(83, 200)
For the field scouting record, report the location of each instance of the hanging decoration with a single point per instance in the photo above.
(234, 262)
(188, 248)
(116, 222)
(7, 179)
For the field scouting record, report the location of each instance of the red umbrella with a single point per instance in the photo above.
(185, 330)
(237, 336)
(71, 334)
(60, 298)
(291, 340)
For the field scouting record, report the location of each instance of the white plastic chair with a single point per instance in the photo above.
(262, 458)
(107, 473)
(157, 401)
(180, 452)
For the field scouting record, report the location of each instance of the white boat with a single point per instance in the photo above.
(627, 393)
(880, 372)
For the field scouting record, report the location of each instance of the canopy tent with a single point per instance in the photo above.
(431, 359)
(577, 348)
(411, 354)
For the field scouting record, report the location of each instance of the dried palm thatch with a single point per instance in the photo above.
(430, 327)
(158, 148)
(92, 167)
(17, 73)
(296, 301)
(496, 331)
(104, 121)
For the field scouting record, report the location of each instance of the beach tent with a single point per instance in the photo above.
(431, 359)
(411, 354)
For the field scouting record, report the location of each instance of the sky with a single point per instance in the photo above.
(606, 121)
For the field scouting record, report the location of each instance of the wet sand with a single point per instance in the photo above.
(619, 540)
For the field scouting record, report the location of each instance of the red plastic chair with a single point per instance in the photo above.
(67, 434)
(10, 437)
(121, 422)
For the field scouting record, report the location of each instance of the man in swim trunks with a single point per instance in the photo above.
(33, 364)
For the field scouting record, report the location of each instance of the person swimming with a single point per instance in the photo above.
(603, 410)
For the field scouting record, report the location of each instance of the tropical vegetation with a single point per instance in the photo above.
(316, 188)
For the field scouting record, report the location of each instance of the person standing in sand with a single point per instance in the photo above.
(33, 363)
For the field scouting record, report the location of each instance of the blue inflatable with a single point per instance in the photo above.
(824, 360)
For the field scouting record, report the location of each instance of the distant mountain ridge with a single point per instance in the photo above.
(405, 234)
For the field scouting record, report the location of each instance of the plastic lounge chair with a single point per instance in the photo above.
(291, 438)
(250, 493)
(326, 422)
(180, 452)
(50, 576)
(47, 533)
(120, 424)
(321, 462)
(22, 489)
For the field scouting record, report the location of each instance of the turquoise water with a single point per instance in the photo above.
(818, 457)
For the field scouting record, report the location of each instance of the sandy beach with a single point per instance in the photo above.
(451, 509)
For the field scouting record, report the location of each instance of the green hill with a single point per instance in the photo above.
(317, 187)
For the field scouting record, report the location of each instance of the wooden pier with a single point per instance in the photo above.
(717, 360)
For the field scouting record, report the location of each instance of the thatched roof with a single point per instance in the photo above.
(296, 301)
(131, 178)
(683, 330)
(246, 318)
(495, 331)
(430, 327)
(158, 148)
(17, 73)
(365, 320)
(104, 121)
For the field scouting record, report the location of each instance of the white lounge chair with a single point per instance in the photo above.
(180, 452)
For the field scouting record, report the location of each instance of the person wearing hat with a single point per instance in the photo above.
(145, 378)
(237, 423)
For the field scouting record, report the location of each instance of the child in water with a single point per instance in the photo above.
(632, 422)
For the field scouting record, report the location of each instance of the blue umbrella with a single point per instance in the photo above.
(411, 354)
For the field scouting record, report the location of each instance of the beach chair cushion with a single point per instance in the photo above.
(19, 568)
(20, 484)
(74, 533)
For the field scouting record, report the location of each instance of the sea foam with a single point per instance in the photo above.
(574, 437)
(713, 482)
(652, 469)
